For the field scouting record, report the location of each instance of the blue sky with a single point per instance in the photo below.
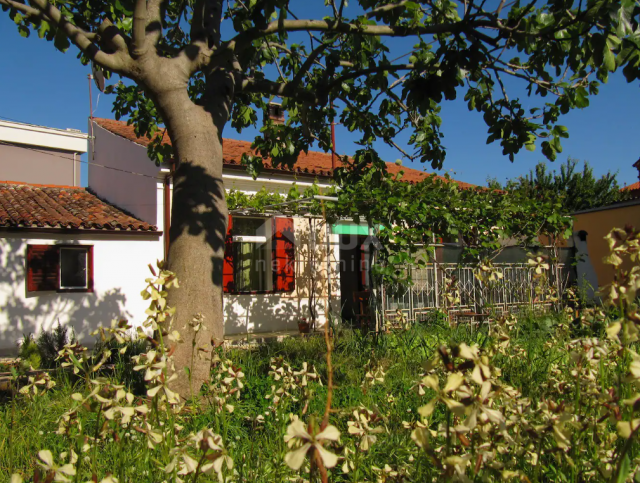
(40, 85)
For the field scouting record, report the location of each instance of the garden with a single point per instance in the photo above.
(545, 393)
(542, 396)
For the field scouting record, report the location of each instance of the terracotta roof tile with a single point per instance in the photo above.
(313, 163)
(632, 187)
(54, 206)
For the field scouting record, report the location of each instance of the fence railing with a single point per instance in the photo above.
(516, 289)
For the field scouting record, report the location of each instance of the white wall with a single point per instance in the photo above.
(135, 193)
(241, 180)
(120, 268)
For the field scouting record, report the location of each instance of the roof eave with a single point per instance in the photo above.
(76, 231)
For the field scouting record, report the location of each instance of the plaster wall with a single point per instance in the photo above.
(39, 165)
(281, 311)
(598, 224)
(123, 175)
(120, 268)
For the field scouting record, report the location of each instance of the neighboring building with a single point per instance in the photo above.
(36, 154)
(634, 188)
(597, 223)
(66, 256)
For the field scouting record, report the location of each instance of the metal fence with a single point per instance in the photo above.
(518, 288)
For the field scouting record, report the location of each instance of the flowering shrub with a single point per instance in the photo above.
(525, 398)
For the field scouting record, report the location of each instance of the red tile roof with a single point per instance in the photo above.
(632, 187)
(311, 163)
(53, 206)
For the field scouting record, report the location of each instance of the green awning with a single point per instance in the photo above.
(348, 228)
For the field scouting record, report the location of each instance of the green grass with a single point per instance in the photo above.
(538, 342)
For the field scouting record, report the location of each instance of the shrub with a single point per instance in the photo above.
(50, 343)
(29, 352)
(121, 360)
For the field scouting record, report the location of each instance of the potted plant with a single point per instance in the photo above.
(303, 325)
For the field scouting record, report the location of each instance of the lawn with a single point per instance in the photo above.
(525, 399)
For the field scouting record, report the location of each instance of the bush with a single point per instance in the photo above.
(50, 343)
(121, 360)
(29, 352)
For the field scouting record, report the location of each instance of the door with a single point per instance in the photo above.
(353, 275)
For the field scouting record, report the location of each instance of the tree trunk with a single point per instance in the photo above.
(198, 230)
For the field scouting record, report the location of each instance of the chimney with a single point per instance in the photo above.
(637, 166)
(276, 113)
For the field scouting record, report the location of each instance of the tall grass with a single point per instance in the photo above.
(257, 446)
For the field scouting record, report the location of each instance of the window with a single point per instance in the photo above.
(62, 268)
(73, 268)
(259, 255)
(250, 254)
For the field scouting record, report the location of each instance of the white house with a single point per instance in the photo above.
(66, 256)
(79, 256)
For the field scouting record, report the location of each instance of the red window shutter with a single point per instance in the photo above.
(43, 268)
(284, 256)
(228, 282)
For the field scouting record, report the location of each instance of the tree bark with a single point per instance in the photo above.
(198, 229)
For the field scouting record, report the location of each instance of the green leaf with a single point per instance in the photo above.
(44, 28)
(61, 41)
(625, 468)
(609, 60)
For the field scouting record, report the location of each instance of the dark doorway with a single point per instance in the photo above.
(353, 275)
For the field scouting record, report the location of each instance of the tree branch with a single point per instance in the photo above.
(308, 63)
(111, 35)
(265, 86)
(244, 39)
(139, 29)
(207, 18)
(385, 8)
(197, 21)
(155, 21)
(116, 62)
(371, 70)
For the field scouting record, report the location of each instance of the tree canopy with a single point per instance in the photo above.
(575, 190)
(351, 55)
(410, 219)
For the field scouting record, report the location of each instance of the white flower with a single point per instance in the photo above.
(62, 473)
(306, 374)
(298, 434)
(360, 428)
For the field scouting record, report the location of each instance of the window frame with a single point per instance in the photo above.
(88, 251)
(59, 247)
